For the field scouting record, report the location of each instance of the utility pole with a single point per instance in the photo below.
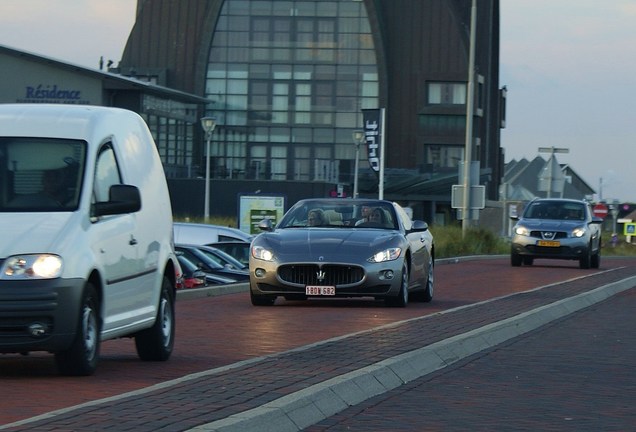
(470, 102)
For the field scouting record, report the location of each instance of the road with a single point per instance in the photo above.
(226, 339)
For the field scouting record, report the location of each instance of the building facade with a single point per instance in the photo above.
(287, 80)
(172, 115)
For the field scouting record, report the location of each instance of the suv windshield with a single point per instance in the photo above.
(559, 210)
(40, 174)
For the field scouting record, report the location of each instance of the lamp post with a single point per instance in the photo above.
(208, 124)
(358, 138)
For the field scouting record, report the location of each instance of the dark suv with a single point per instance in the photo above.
(557, 229)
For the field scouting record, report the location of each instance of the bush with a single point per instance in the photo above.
(449, 242)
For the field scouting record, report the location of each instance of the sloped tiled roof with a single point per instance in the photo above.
(522, 178)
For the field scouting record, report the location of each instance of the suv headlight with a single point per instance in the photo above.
(578, 232)
(41, 266)
(521, 230)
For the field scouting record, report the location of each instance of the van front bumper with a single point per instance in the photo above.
(39, 315)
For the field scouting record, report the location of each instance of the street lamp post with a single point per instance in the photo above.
(358, 138)
(208, 124)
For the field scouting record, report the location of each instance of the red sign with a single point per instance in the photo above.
(600, 210)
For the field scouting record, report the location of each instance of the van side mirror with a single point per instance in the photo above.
(121, 199)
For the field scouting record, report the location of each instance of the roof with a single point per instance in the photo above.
(522, 178)
(110, 80)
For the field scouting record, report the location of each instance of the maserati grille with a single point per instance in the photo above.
(328, 275)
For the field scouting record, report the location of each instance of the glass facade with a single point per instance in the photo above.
(171, 124)
(287, 81)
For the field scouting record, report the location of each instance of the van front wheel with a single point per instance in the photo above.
(81, 357)
(156, 343)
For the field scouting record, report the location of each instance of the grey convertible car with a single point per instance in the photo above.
(343, 248)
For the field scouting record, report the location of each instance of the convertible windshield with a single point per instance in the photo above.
(559, 210)
(321, 214)
(40, 174)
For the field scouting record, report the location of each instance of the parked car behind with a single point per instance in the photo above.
(215, 262)
(557, 229)
(192, 276)
(193, 271)
(202, 234)
(239, 250)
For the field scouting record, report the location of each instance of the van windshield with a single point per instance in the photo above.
(40, 174)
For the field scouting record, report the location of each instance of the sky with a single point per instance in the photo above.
(569, 67)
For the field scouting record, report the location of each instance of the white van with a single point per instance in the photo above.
(87, 248)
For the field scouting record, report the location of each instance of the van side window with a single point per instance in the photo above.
(106, 173)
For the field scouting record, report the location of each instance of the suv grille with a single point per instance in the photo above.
(549, 235)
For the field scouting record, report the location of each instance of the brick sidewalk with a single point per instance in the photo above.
(574, 374)
(207, 397)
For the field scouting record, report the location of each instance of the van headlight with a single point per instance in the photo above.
(41, 266)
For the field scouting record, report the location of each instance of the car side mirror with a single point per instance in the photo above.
(121, 199)
(266, 225)
(419, 225)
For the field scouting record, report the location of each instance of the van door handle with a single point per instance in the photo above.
(133, 241)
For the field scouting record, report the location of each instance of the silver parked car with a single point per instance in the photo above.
(557, 229)
(343, 248)
(203, 234)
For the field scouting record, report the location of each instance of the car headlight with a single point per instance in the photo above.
(261, 253)
(41, 266)
(521, 230)
(386, 255)
(578, 232)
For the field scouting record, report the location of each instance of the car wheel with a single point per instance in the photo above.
(528, 261)
(426, 295)
(596, 259)
(586, 259)
(156, 343)
(402, 299)
(262, 300)
(515, 259)
(81, 357)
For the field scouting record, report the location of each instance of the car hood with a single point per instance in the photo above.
(32, 232)
(328, 244)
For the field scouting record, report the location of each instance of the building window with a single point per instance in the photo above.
(443, 157)
(446, 93)
(291, 74)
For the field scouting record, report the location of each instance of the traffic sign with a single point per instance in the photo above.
(600, 210)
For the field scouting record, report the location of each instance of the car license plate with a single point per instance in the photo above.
(548, 243)
(320, 290)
